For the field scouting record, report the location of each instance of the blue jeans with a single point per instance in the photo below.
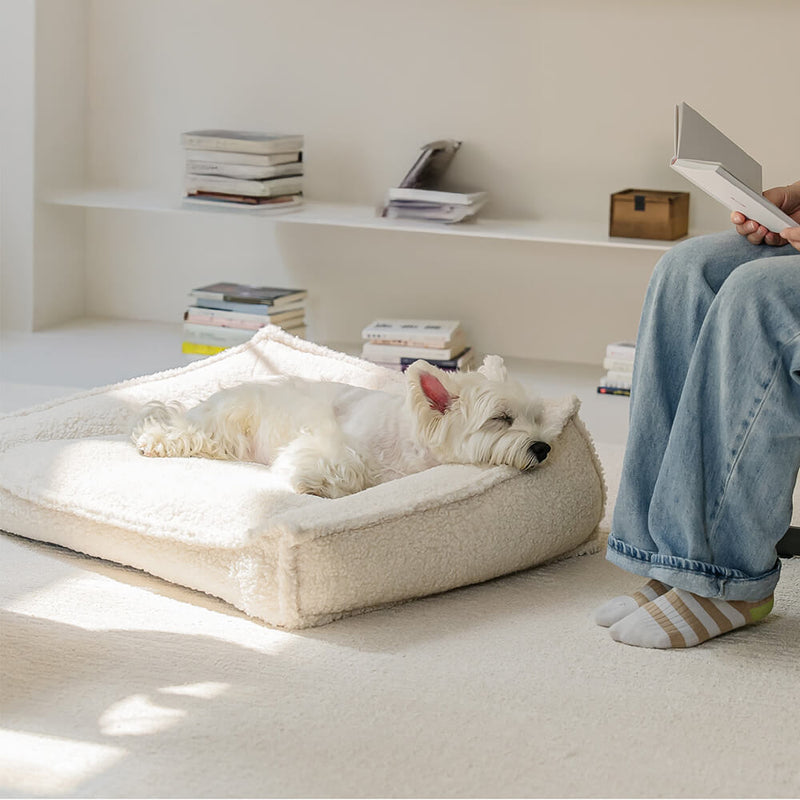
(714, 444)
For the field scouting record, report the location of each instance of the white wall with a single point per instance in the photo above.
(17, 36)
(559, 105)
(60, 137)
(42, 145)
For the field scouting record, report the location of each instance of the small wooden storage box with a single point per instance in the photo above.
(649, 214)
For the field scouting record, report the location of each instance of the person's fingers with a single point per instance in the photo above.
(774, 239)
(792, 236)
(752, 231)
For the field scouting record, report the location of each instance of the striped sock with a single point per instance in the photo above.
(683, 619)
(619, 607)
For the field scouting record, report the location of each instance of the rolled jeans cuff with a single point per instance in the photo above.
(706, 580)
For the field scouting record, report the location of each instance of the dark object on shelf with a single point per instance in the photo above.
(649, 214)
(790, 544)
(430, 166)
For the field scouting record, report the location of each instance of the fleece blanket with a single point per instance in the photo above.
(69, 475)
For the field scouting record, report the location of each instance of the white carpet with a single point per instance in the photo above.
(116, 684)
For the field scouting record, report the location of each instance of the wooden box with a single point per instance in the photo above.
(649, 214)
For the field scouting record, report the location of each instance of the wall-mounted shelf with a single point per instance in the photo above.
(361, 216)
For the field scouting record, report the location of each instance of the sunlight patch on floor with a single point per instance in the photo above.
(50, 765)
(138, 715)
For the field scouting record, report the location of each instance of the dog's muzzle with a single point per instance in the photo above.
(539, 451)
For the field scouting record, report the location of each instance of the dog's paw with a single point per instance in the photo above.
(323, 487)
(151, 446)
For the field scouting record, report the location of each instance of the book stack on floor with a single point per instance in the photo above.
(243, 169)
(618, 364)
(224, 315)
(397, 343)
(420, 194)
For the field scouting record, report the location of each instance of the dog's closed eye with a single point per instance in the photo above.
(505, 419)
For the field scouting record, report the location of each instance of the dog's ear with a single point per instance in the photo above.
(432, 384)
(436, 392)
(493, 368)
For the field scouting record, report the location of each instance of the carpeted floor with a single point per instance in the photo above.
(116, 684)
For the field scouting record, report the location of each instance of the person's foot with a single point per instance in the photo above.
(619, 607)
(682, 619)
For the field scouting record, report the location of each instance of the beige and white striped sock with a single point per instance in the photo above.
(619, 607)
(682, 619)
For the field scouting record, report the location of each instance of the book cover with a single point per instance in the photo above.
(464, 361)
(201, 349)
(215, 201)
(236, 319)
(424, 332)
(244, 293)
(613, 391)
(622, 351)
(297, 330)
(697, 139)
(447, 213)
(244, 159)
(391, 354)
(619, 380)
(269, 187)
(214, 334)
(193, 348)
(257, 309)
(241, 141)
(436, 197)
(431, 164)
(712, 162)
(458, 341)
(618, 365)
(243, 171)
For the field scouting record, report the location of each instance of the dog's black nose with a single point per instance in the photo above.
(540, 450)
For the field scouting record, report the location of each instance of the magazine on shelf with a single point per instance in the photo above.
(436, 196)
(718, 166)
(241, 141)
(244, 159)
(271, 187)
(410, 209)
(244, 171)
(431, 164)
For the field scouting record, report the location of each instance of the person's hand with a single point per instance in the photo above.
(787, 198)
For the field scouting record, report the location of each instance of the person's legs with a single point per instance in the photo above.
(713, 383)
(683, 287)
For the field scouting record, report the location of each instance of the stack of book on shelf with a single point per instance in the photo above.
(243, 169)
(618, 364)
(397, 343)
(420, 194)
(224, 315)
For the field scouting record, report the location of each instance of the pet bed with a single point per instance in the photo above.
(69, 475)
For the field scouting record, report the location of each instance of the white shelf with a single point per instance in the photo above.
(359, 216)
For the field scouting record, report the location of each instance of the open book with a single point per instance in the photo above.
(711, 161)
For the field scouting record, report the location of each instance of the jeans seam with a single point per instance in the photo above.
(740, 445)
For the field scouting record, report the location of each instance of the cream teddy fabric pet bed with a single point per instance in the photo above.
(69, 475)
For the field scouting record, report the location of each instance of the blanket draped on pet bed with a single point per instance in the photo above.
(69, 475)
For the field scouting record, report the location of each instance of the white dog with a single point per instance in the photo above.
(331, 439)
